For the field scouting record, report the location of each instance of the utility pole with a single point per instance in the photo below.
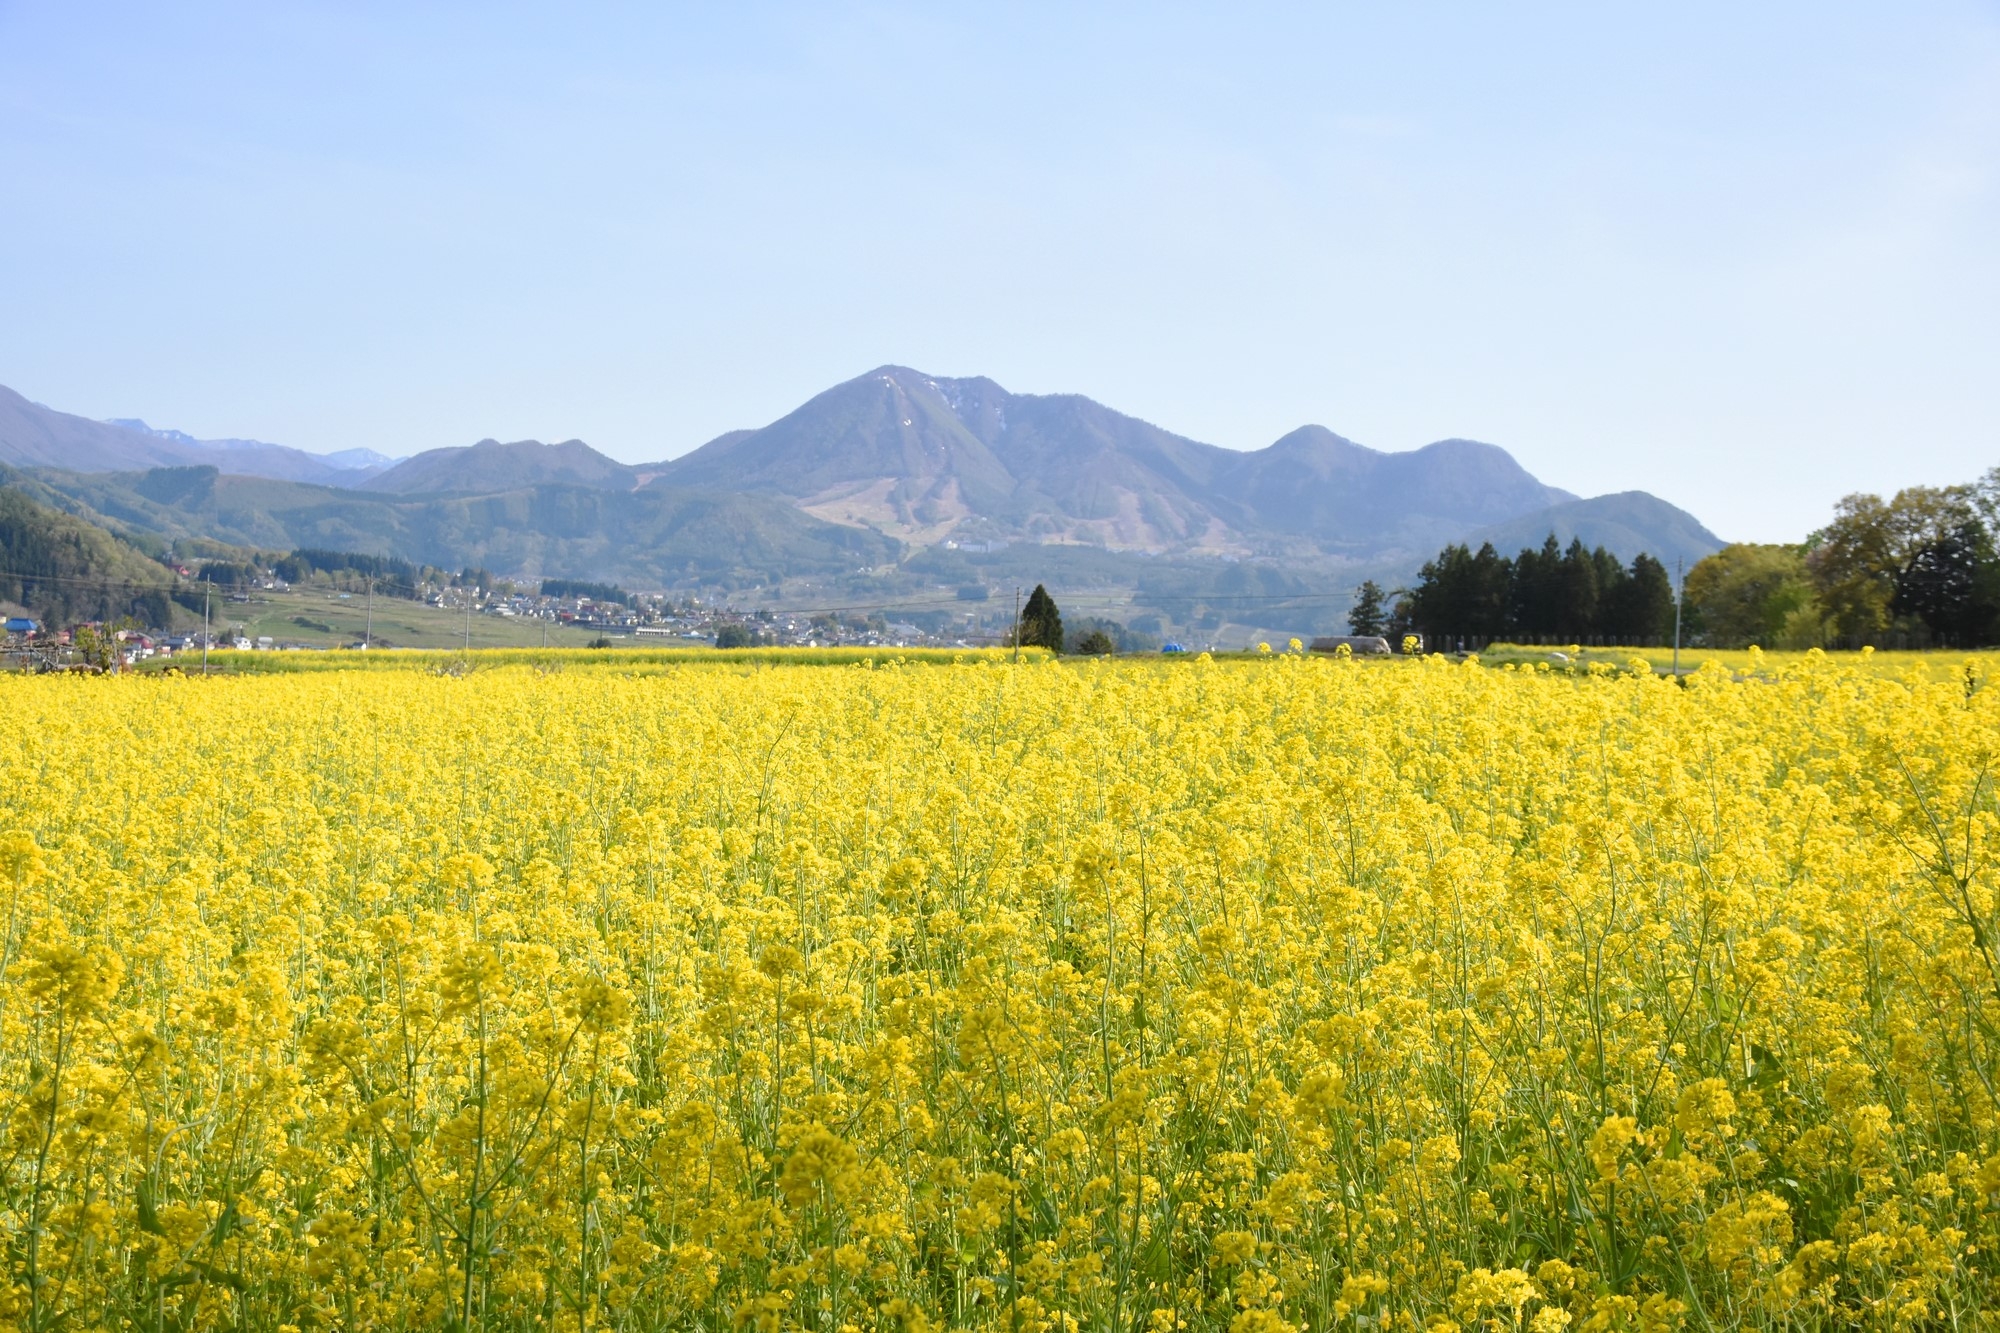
(204, 626)
(368, 634)
(1678, 562)
(468, 620)
(1017, 624)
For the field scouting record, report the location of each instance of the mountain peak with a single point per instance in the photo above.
(922, 456)
(134, 423)
(491, 466)
(1315, 441)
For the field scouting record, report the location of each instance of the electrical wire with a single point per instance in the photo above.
(1138, 600)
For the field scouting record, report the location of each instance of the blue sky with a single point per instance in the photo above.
(1745, 257)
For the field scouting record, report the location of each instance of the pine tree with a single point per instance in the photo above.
(1643, 609)
(1368, 615)
(1577, 584)
(1041, 622)
(1462, 594)
(1537, 594)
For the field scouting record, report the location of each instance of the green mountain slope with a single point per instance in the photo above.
(658, 537)
(62, 569)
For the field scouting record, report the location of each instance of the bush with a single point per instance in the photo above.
(1095, 643)
(1124, 639)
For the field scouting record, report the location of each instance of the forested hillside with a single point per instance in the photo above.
(660, 536)
(62, 569)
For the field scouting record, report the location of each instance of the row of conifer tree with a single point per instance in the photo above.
(1541, 595)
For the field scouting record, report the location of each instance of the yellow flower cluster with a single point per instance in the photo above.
(1271, 995)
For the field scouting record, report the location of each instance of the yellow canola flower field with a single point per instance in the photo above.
(1258, 996)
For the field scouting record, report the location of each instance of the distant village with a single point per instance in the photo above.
(612, 614)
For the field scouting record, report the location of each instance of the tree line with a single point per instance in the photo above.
(395, 577)
(1920, 570)
(579, 588)
(1550, 594)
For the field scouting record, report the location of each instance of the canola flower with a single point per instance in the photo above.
(1281, 994)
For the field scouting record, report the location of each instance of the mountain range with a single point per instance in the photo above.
(889, 463)
(355, 462)
(925, 459)
(32, 435)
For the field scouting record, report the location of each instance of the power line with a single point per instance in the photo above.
(1074, 598)
(86, 581)
(169, 586)
(1139, 598)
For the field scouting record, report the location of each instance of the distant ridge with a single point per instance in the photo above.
(269, 459)
(35, 436)
(32, 435)
(1624, 524)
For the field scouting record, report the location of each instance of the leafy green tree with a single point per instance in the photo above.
(1368, 615)
(732, 636)
(1095, 643)
(95, 647)
(1984, 498)
(1858, 561)
(1748, 593)
(1124, 638)
(1041, 622)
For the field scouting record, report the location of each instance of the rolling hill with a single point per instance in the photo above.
(490, 466)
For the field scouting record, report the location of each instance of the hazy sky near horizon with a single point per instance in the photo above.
(1746, 257)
